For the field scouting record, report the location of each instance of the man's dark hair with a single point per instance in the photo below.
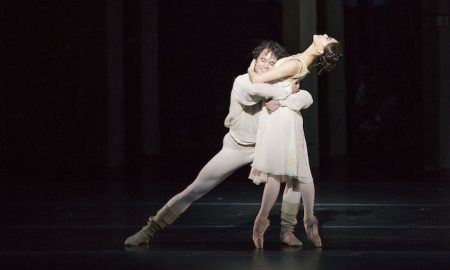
(278, 50)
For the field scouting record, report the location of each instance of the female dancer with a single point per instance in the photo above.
(277, 162)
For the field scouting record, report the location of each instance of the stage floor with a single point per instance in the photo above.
(81, 221)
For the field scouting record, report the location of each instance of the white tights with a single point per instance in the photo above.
(271, 191)
(229, 159)
(293, 192)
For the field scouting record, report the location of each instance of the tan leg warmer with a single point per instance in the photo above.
(289, 213)
(163, 218)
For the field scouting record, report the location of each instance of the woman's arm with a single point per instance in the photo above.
(287, 69)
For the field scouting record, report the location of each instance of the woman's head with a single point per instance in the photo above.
(329, 51)
(321, 41)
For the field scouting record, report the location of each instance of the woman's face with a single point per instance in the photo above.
(321, 41)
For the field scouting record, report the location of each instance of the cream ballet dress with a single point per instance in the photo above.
(280, 142)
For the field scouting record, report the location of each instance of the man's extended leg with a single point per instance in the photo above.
(229, 159)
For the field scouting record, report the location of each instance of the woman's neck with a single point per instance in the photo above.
(311, 54)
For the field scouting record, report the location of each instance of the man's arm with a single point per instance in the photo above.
(296, 102)
(249, 94)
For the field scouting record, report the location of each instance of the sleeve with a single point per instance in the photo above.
(298, 101)
(248, 93)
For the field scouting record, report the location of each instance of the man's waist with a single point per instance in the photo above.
(243, 138)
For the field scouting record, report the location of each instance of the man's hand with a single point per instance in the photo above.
(272, 106)
(295, 86)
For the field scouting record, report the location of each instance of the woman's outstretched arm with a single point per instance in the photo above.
(287, 69)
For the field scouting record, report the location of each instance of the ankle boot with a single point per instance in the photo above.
(163, 218)
(288, 217)
(312, 231)
(259, 228)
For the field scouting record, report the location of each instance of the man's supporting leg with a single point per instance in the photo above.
(289, 211)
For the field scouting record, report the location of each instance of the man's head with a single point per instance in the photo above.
(266, 55)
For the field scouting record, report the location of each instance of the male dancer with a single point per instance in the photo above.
(238, 149)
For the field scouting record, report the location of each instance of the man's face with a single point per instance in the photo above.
(265, 61)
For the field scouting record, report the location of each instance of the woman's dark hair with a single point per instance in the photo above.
(328, 60)
(278, 50)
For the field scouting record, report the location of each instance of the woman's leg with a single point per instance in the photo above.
(308, 197)
(310, 221)
(271, 191)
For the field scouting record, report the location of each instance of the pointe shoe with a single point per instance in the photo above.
(259, 228)
(312, 231)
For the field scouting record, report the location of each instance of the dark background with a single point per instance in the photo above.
(54, 84)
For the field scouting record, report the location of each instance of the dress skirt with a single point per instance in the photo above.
(281, 149)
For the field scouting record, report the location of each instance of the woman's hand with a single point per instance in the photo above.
(251, 69)
(295, 87)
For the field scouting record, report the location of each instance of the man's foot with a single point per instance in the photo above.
(288, 220)
(143, 236)
(288, 238)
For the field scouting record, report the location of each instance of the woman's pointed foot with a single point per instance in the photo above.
(259, 228)
(312, 231)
